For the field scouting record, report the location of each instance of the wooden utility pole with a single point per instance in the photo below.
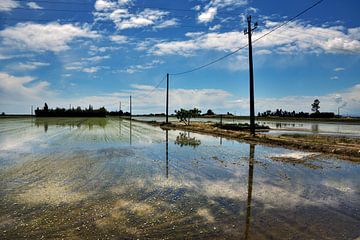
(167, 98)
(249, 31)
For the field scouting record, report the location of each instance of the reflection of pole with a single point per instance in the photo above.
(167, 98)
(130, 132)
(120, 127)
(167, 153)
(250, 184)
(220, 140)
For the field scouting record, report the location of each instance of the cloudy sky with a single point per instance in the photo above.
(99, 52)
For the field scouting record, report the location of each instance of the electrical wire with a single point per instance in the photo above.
(254, 41)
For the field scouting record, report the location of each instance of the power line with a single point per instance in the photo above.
(130, 6)
(256, 40)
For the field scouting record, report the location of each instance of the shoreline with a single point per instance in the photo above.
(342, 147)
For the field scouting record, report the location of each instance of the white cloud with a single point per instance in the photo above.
(119, 14)
(197, 8)
(215, 27)
(167, 23)
(33, 5)
(125, 20)
(44, 37)
(208, 15)
(334, 78)
(21, 89)
(119, 39)
(8, 56)
(8, 5)
(96, 58)
(139, 68)
(263, 52)
(295, 38)
(350, 99)
(104, 5)
(210, 10)
(27, 66)
(338, 69)
(252, 10)
(91, 69)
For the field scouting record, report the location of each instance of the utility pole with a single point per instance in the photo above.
(32, 110)
(167, 98)
(130, 108)
(249, 31)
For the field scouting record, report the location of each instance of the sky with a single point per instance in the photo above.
(100, 52)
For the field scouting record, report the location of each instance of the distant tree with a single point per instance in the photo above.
(185, 115)
(3, 114)
(46, 108)
(210, 112)
(315, 106)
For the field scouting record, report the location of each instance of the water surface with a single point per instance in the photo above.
(111, 178)
(281, 127)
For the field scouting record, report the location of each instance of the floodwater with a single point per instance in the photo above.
(283, 127)
(115, 179)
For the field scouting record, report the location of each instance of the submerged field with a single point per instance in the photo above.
(111, 178)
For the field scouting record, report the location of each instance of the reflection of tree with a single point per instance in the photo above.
(90, 123)
(250, 185)
(185, 140)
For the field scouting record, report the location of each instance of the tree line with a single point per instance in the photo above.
(76, 112)
(315, 106)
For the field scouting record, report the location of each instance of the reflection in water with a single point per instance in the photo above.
(186, 140)
(167, 152)
(71, 122)
(250, 183)
(315, 127)
(91, 184)
(130, 137)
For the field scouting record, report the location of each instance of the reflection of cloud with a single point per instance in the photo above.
(205, 213)
(344, 187)
(49, 193)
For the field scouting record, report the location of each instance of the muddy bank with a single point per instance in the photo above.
(344, 147)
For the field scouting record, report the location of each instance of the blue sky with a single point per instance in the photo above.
(100, 52)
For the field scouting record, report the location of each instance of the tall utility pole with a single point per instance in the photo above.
(167, 98)
(249, 31)
(130, 107)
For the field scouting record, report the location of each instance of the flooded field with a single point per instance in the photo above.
(281, 127)
(116, 179)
